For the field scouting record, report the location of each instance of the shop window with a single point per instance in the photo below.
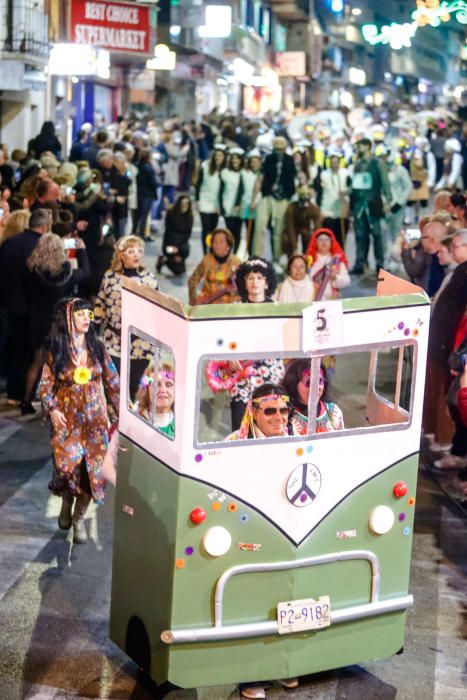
(151, 383)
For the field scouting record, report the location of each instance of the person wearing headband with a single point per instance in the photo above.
(256, 281)
(127, 262)
(78, 381)
(297, 381)
(161, 410)
(268, 414)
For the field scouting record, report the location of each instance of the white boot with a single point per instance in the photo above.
(80, 536)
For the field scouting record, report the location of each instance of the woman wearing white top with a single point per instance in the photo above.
(208, 190)
(297, 286)
(249, 177)
(231, 193)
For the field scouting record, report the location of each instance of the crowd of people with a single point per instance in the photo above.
(275, 214)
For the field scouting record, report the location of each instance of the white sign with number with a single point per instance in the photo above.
(323, 326)
(300, 615)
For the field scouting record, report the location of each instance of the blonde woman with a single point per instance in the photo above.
(127, 262)
(163, 400)
(17, 223)
(51, 278)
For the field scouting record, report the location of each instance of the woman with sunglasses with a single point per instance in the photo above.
(78, 381)
(297, 382)
(127, 262)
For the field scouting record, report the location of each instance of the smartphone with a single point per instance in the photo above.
(2, 212)
(69, 243)
(69, 190)
(413, 234)
(171, 249)
(464, 359)
(106, 230)
(106, 187)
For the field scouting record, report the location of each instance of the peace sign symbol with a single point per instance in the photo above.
(303, 485)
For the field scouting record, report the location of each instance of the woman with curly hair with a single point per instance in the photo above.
(78, 381)
(256, 281)
(297, 382)
(127, 262)
(50, 279)
(215, 273)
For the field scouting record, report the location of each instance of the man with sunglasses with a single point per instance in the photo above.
(267, 414)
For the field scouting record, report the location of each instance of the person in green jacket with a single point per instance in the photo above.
(370, 184)
(157, 407)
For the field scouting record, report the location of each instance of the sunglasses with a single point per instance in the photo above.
(134, 251)
(85, 313)
(272, 410)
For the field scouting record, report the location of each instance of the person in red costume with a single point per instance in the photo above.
(329, 268)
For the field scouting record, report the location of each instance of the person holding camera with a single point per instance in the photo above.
(178, 227)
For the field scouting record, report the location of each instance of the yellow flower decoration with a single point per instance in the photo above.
(81, 375)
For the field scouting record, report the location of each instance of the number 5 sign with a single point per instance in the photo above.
(323, 326)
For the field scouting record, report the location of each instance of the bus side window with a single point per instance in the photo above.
(151, 383)
(370, 388)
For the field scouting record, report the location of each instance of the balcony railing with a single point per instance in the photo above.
(24, 28)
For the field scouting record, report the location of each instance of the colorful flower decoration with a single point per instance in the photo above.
(82, 375)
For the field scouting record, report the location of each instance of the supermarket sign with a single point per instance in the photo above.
(116, 26)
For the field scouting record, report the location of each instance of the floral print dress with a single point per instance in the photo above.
(108, 313)
(82, 445)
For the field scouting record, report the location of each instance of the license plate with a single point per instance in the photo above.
(299, 615)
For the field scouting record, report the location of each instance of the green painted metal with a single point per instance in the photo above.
(147, 584)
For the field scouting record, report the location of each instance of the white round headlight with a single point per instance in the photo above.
(381, 520)
(217, 541)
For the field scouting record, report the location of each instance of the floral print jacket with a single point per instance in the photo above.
(108, 313)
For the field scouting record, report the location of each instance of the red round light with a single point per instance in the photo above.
(400, 489)
(198, 516)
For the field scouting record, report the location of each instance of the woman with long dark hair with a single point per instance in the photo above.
(51, 278)
(78, 381)
(297, 382)
(208, 190)
(178, 227)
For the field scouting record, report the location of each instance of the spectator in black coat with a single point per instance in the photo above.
(47, 141)
(51, 278)
(147, 191)
(445, 319)
(94, 207)
(99, 141)
(79, 146)
(178, 227)
(119, 187)
(14, 253)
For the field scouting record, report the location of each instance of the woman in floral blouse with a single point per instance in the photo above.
(78, 379)
(215, 272)
(108, 308)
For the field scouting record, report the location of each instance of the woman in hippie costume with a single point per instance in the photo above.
(78, 381)
(329, 268)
